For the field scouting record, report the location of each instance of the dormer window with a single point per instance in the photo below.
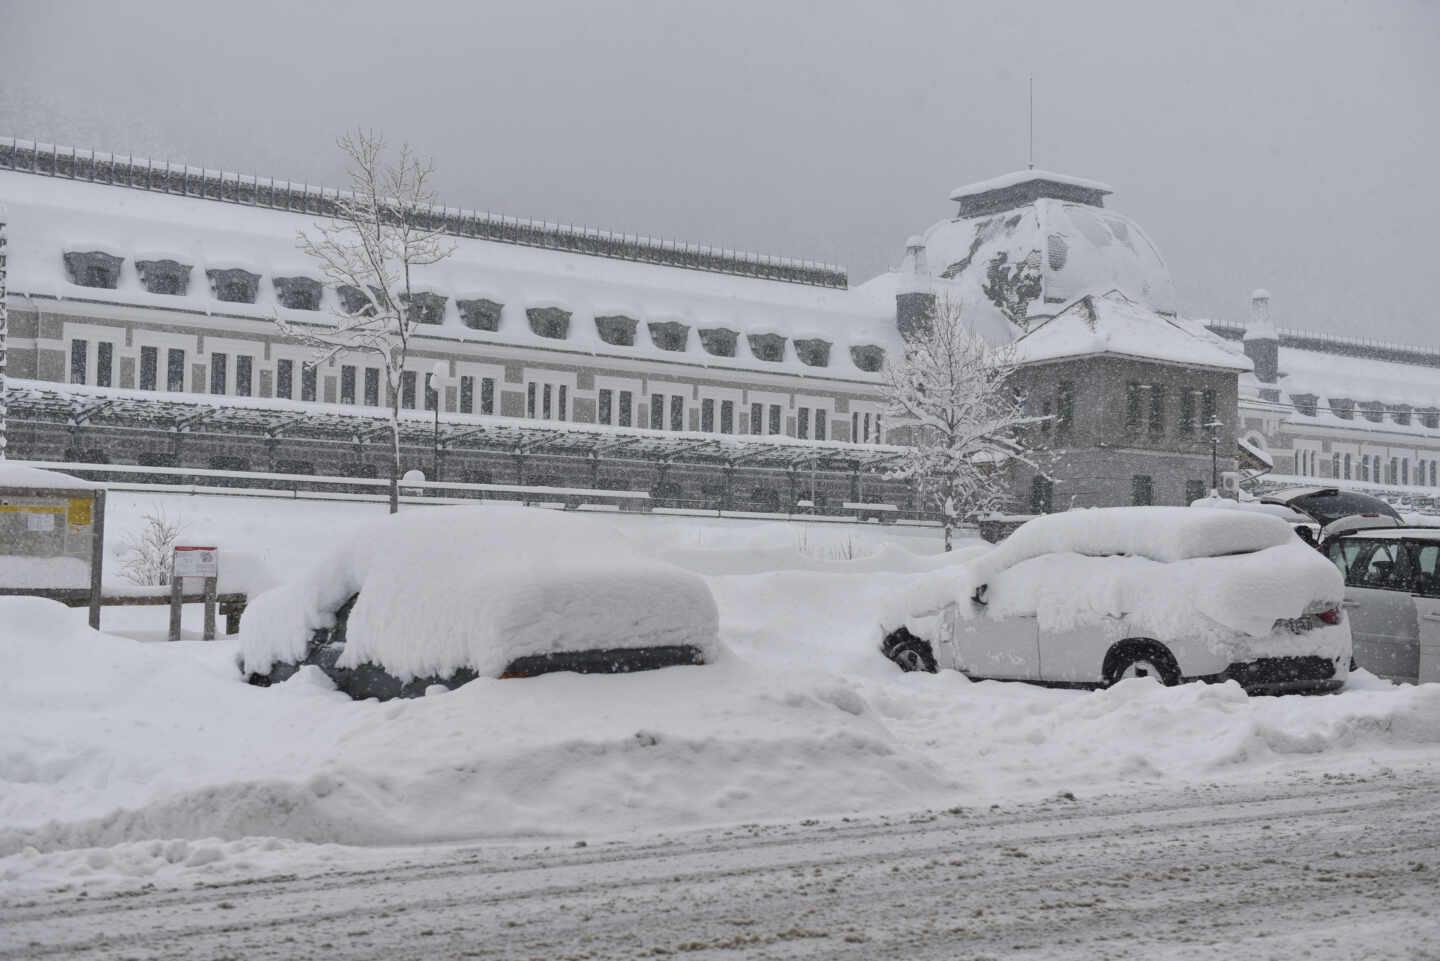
(297, 293)
(1343, 407)
(1373, 411)
(234, 286)
(1429, 417)
(669, 335)
(769, 347)
(479, 313)
(164, 276)
(1401, 413)
(719, 341)
(93, 269)
(552, 322)
(353, 300)
(813, 353)
(617, 329)
(868, 357)
(1306, 404)
(424, 307)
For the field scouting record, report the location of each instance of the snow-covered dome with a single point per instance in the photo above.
(1031, 242)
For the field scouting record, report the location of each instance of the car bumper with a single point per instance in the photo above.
(1309, 674)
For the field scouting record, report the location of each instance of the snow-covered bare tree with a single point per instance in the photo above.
(951, 391)
(382, 230)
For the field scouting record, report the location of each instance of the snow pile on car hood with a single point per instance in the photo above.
(1170, 571)
(477, 587)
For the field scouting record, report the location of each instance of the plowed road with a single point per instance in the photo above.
(1329, 868)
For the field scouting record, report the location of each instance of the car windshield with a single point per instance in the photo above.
(1328, 506)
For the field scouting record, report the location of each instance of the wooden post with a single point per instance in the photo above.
(177, 592)
(97, 556)
(210, 591)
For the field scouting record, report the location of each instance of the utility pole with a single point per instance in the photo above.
(1214, 428)
(3, 325)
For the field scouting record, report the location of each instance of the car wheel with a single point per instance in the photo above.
(1141, 659)
(910, 652)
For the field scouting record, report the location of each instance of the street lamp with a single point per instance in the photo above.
(1214, 428)
(438, 377)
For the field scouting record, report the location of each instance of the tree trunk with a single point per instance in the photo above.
(949, 526)
(395, 464)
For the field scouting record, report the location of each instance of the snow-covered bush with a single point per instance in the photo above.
(148, 558)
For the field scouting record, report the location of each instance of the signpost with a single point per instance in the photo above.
(193, 561)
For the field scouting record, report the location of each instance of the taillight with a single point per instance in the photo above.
(1331, 616)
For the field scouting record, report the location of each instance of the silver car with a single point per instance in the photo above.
(1392, 599)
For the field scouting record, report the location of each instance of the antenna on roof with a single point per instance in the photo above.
(1032, 123)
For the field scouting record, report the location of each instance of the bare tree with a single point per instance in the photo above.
(951, 390)
(383, 228)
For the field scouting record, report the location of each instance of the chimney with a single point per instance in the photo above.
(1262, 343)
(914, 298)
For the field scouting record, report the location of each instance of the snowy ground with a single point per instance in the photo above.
(126, 761)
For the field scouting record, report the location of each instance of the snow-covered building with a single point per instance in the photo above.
(1125, 387)
(1348, 411)
(143, 301)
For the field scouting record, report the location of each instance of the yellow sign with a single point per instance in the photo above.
(79, 513)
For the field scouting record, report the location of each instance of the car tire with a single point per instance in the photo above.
(911, 653)
(1141, 658)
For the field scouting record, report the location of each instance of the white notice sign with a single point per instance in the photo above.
(40, 521)
(197, 562)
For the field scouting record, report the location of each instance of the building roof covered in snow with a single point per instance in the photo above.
(207, 251)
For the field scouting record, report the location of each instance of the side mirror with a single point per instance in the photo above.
(979, 596)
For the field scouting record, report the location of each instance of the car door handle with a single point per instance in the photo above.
(1432, 617)
(1349, 603)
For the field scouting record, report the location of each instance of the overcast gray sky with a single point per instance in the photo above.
(1286, 146)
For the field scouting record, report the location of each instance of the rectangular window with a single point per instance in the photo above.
(727, 417)
(819, 424)
(561, 402)
(467, 395)
(677, 412)
(285, 379)
(432, 392)
(175, 369)
(1132, 405)
(1207, 408)
(487, 395)
(1142, 491)
(757, 418)
(244, 375)
(218, 365)
(407, 389)
(1187, 411)
(104, 362)
(867, 428)
(625, 405)
(854, 428)
(347, 384)
(372, 386)
(530, 392)
(1065, 405)
(1194, 490)
(879, 436)
(307, 382)
(1157, 409)
(802, 424)
(604, 406)
(1042, 494)
(774, 419)
(149, 367)
(657, 411)
(707, 415)
(79, 350)
(547, 399)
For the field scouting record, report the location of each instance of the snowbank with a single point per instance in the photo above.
(476, 587)
(15, 475)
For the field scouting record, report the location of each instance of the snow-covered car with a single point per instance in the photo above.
(1086, 598)
(1392, 600)
(444, 595)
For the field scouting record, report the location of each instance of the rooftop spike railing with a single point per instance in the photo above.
(141, 173)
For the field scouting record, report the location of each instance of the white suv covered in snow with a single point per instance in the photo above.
(1086, 598)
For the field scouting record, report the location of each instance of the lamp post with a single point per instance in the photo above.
(1214, 428)
(437, 378)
